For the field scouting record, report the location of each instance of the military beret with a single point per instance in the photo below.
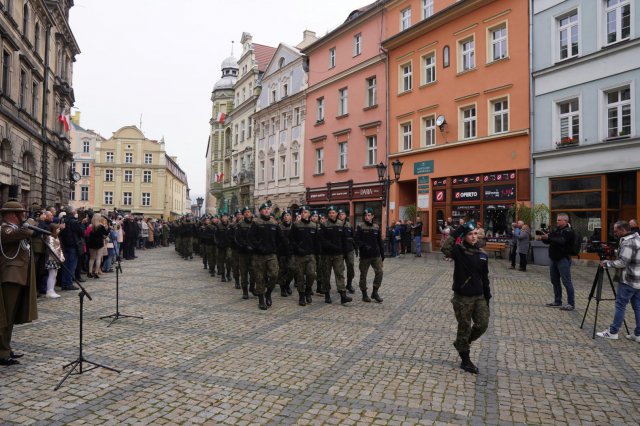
(466, 228)
(332, 208)
(244, 209)
(368, 210)
(340, 211)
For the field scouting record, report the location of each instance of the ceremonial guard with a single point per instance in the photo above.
(285, 274)
(369, 242)
(247, 280)
(18, 281)
(233, 248)
(304, 244)
(222, 243)
(350, 250)
(264, 238)
(333, 242)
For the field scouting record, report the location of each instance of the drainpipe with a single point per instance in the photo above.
(386, 106)
(45, 142)
(532, 164)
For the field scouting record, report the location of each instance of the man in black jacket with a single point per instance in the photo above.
(305, 244)
(560, 241)
(241, 237)
(70, 240)
(333, 241)
(369, 242)
(285, 275)
(349, 249)
(264, 237)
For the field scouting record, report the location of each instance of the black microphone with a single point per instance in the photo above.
(35, 228)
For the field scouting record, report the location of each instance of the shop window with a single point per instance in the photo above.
(497, 220)
(576, 200)
(377, 212)
(576, 184)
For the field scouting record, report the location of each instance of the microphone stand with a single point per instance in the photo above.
(118, 315)
(77, 366)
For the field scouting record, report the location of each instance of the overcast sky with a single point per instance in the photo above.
(161, 58)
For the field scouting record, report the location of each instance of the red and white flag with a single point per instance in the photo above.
(219, 176)
(65, 119)
(221, 117)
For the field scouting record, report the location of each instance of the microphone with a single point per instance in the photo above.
(35, 228)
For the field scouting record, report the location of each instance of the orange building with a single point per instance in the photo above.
(459, 111)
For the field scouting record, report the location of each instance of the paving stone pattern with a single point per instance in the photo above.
(202, 355)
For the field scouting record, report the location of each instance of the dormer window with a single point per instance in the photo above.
(281, 63)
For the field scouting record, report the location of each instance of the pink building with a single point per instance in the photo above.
(345, 130)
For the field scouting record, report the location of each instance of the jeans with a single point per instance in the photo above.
(394, 247)
(626, 294)
(109, 259)
(418, 241)
(561, 269)
(70, 263)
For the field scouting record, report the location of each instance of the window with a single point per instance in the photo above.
(72, 193)
(23, 89)
(406, 136)
(6, 72)
(332, 57)
(467, 54)
(285, 121)
(297, 118)
(262, 171)
(371, 91)
(295, 165)
(84, 193)
(445, 57)
(127, 198)
(619, 112)
(372, 150)
(128, 157)
(236, 135)
(405, 18)
(342, 156)
(109, 158)
(108, 175)
(148, 159)
(273, 125)
(429, 125)
(86, 145)
(406, 73)
(320, 109)
(249, 129)
(498, 38)
(343, 94)
(146, 176)
(281, 62)
(283, 166)
(618, 14)
(36, 43)
(128, 176)
(500, 116)
(285, 90)
(429, 63)
(146, 198)
(568, 36)
(357, 44)
(569, 120)
(427, 8)
(319, 160)
(25, 20)
(85, 169)
(273, 96)
(469, 122)
(34, 98)
(108, 198)
(272, 168)
(242, 130)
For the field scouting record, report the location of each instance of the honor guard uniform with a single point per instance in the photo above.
(247, 280)
(332, 238)
(233, 257)
(222, 242)
(305, 244)
(285, 274)
(349, 250)
(369, 242)
(264, 238)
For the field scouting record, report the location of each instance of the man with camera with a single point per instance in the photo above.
(560, 242)
(629, 284)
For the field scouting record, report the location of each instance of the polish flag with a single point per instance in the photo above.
(219, 176)
(65, 119)
(221, 117)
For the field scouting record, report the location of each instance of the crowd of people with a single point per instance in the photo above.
(400, 236)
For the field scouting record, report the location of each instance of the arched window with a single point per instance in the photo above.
(445, 57)
(281, 63)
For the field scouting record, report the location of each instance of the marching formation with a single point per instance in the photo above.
(261, 252)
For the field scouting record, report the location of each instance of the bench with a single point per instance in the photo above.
(496, 248)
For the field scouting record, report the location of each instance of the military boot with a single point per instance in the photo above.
(238, 284)
(267, 297)
(307, 295)
(287, 288)
(375, 296)
(229, 276)
(302, 301)
(350, 288)
(327, 297)
(365, 296)
(204, 266)
(252, 289)
(466, 363)
(245, 293)
(283, 292)
(344, 298)
(223, 279)
(261, 302)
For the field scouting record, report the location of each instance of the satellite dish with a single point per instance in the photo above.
(441, 121)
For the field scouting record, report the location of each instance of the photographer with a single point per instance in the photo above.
(560, 241)
(629, 285)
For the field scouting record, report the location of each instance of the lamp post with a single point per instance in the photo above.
(199, 200)
(384, 178)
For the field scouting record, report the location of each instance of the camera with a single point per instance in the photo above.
(605, 250)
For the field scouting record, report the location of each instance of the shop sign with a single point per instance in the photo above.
(423, 201)
(339, 194)
(497, 206)
(465, 180)
(440, 196)
(423, 180)
(500, 176)
(440, 182)
(423, 167)
(466, 194)
(594, 223)
(502, 192)
(466, 208)
(317, 195)
(423, 190)
(372, 191)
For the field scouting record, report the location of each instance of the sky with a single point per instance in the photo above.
(159, 60)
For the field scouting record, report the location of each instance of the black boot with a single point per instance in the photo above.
(375, 296)
(223, 279)
(283, 292)
(245, 293)
(237, 284)
(307, 295)
(287, 288)
(252, 289)
(204, 266)
(267, 297)
(261, 302)
(327, 297)
(228, 277)
(344, 298)
(302, 301)
(319, 290)
(466, 363)
(350, 288)
(365, 296)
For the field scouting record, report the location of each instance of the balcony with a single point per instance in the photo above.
(216, 188)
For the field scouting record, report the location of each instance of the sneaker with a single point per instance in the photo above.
(553, 305)
(567, 308)
(52, 295)
(607, 335)
(633, 337)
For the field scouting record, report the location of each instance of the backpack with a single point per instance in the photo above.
(576, 245)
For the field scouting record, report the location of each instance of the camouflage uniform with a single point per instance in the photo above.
(233, 254)
(223, 253)
(285, 272)
(247, 281)
(264, 238)
(188, 232)
(208, 237)
(332, 238)
(349, 255)
(369, 241)
(304, 243)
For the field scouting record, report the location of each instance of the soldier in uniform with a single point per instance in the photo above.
(18, 281)
(197, 223)
(208, 240)
(369, 242)
(188, 234)
(222, 243)
(333, 242)
(241, 237)
(177, 234)
(471, 290)
(350, 250)
(304, 243)
(315, 219)
(264, 238)
(285, 275)
(233, 248)
(213, 258)
(204, 241)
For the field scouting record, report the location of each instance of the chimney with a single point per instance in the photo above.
(308, 37)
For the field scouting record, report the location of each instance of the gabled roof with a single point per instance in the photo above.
(274, 58)
(263, 55)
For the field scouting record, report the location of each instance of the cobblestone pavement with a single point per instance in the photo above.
(203, 355)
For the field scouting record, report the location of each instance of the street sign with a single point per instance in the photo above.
(423, 167)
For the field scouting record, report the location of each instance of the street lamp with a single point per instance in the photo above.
(199, 200)
(383, 178)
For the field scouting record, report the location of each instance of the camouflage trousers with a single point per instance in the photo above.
(235, 264)
(319, 274)
(211, 257)
(205, 250)
(285, 273)
(246, 273)
(469, 309)
(376, 264)
(350, 261)
(304, 271)
(187, 246)
(335, 263)
(178, 245)
(223, 256)
(265, 271)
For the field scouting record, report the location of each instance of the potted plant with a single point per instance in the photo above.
(567, 141)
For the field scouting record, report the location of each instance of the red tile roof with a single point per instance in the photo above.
(263, 55)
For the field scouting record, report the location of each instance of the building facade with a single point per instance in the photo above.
(83, 147)
(37, 54)
(459, 111)
(345, 129)
(222, 98)
(135, 175)
(279, 123)
(586, 84)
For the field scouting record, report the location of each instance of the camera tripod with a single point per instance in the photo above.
(596, 292)
(118, 315)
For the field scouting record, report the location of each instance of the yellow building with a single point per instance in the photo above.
(135, 175)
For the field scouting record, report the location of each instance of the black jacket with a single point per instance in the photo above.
(332, 238)
(304, 239)
(284, 248)
(369, 241)
(72, 232)
(471, 269)
(560, 242)
(349, 242)
(222, 235)
(96, 237)
(241, 236)
(264, 235)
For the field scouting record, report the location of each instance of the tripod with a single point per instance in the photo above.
(118, 315)
(596, 291)
(78, 364)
